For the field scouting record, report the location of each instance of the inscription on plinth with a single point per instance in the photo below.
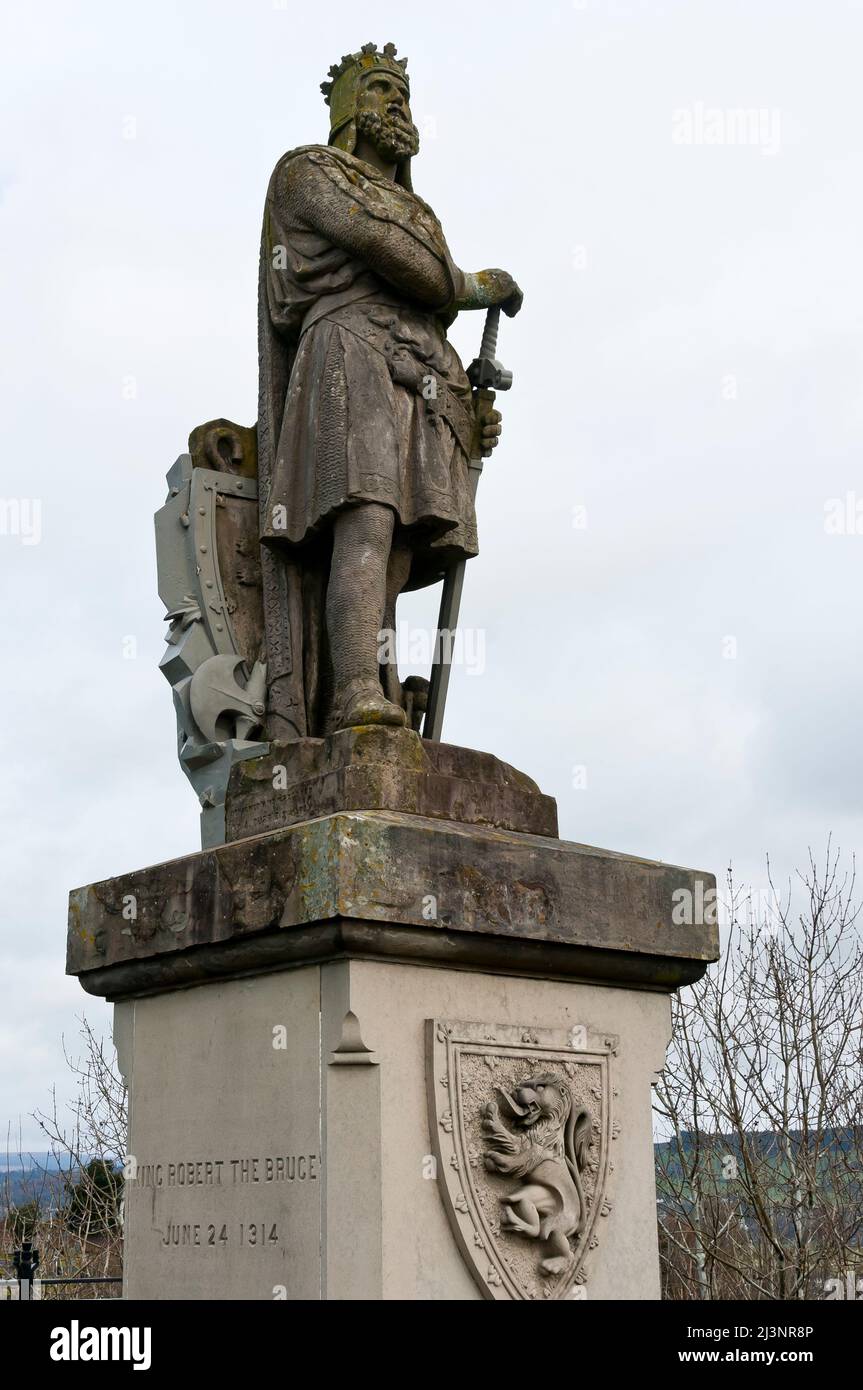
(175, 1181)
(224, 1175)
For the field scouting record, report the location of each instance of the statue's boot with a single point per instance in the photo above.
(364, 703)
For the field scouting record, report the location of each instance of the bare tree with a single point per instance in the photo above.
(72, 1211)
(760, 1180)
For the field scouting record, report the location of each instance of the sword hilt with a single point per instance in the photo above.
(483, 402)
(488, 346)
(485, 370)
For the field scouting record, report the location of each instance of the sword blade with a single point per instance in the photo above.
(450, 604)
(453, 583)
(447, 622)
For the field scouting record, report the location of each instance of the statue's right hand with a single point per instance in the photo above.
(503, 291)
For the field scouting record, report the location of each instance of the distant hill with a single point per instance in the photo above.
(24, 1162)
(840, 1172)
(24, 1177)
(766, 1144)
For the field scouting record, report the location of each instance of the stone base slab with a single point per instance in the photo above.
(376, 768)
(391, 886)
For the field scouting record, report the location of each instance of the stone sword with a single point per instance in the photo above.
(486, 375)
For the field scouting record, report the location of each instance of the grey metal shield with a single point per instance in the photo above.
(208, 557)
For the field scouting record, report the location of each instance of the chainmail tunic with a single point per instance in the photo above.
(359, 287)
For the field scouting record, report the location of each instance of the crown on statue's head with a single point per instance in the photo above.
(340, 93)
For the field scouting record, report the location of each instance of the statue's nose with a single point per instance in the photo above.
(526, 1095)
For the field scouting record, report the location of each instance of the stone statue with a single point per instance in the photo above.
(366, 417)
(344, 854)
(362, 466)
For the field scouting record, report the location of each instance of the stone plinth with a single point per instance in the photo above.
(382, 769)
(358, 1208)
(319, 1025)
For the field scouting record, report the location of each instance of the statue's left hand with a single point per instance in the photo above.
(490, 428)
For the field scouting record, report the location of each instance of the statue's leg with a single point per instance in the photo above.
(398, 569)
(356, 596)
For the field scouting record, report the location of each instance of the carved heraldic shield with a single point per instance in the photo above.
(521, 1127)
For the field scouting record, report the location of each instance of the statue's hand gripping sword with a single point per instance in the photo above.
(486, 375)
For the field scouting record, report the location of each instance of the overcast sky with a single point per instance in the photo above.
(671, 623)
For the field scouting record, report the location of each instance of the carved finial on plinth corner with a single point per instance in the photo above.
(350, 1049)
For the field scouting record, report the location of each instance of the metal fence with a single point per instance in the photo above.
(28, 1285)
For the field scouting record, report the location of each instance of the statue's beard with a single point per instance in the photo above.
(393, 139)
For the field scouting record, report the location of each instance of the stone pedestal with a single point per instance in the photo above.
(334, 1030)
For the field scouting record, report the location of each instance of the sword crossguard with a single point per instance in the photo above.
(487, 372)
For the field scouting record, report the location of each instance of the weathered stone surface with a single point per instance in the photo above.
(390, 886)
(376, 768)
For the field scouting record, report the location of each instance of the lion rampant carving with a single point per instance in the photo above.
(547, 1147)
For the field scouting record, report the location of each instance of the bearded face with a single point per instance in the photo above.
(383, 117)
(393, 137)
